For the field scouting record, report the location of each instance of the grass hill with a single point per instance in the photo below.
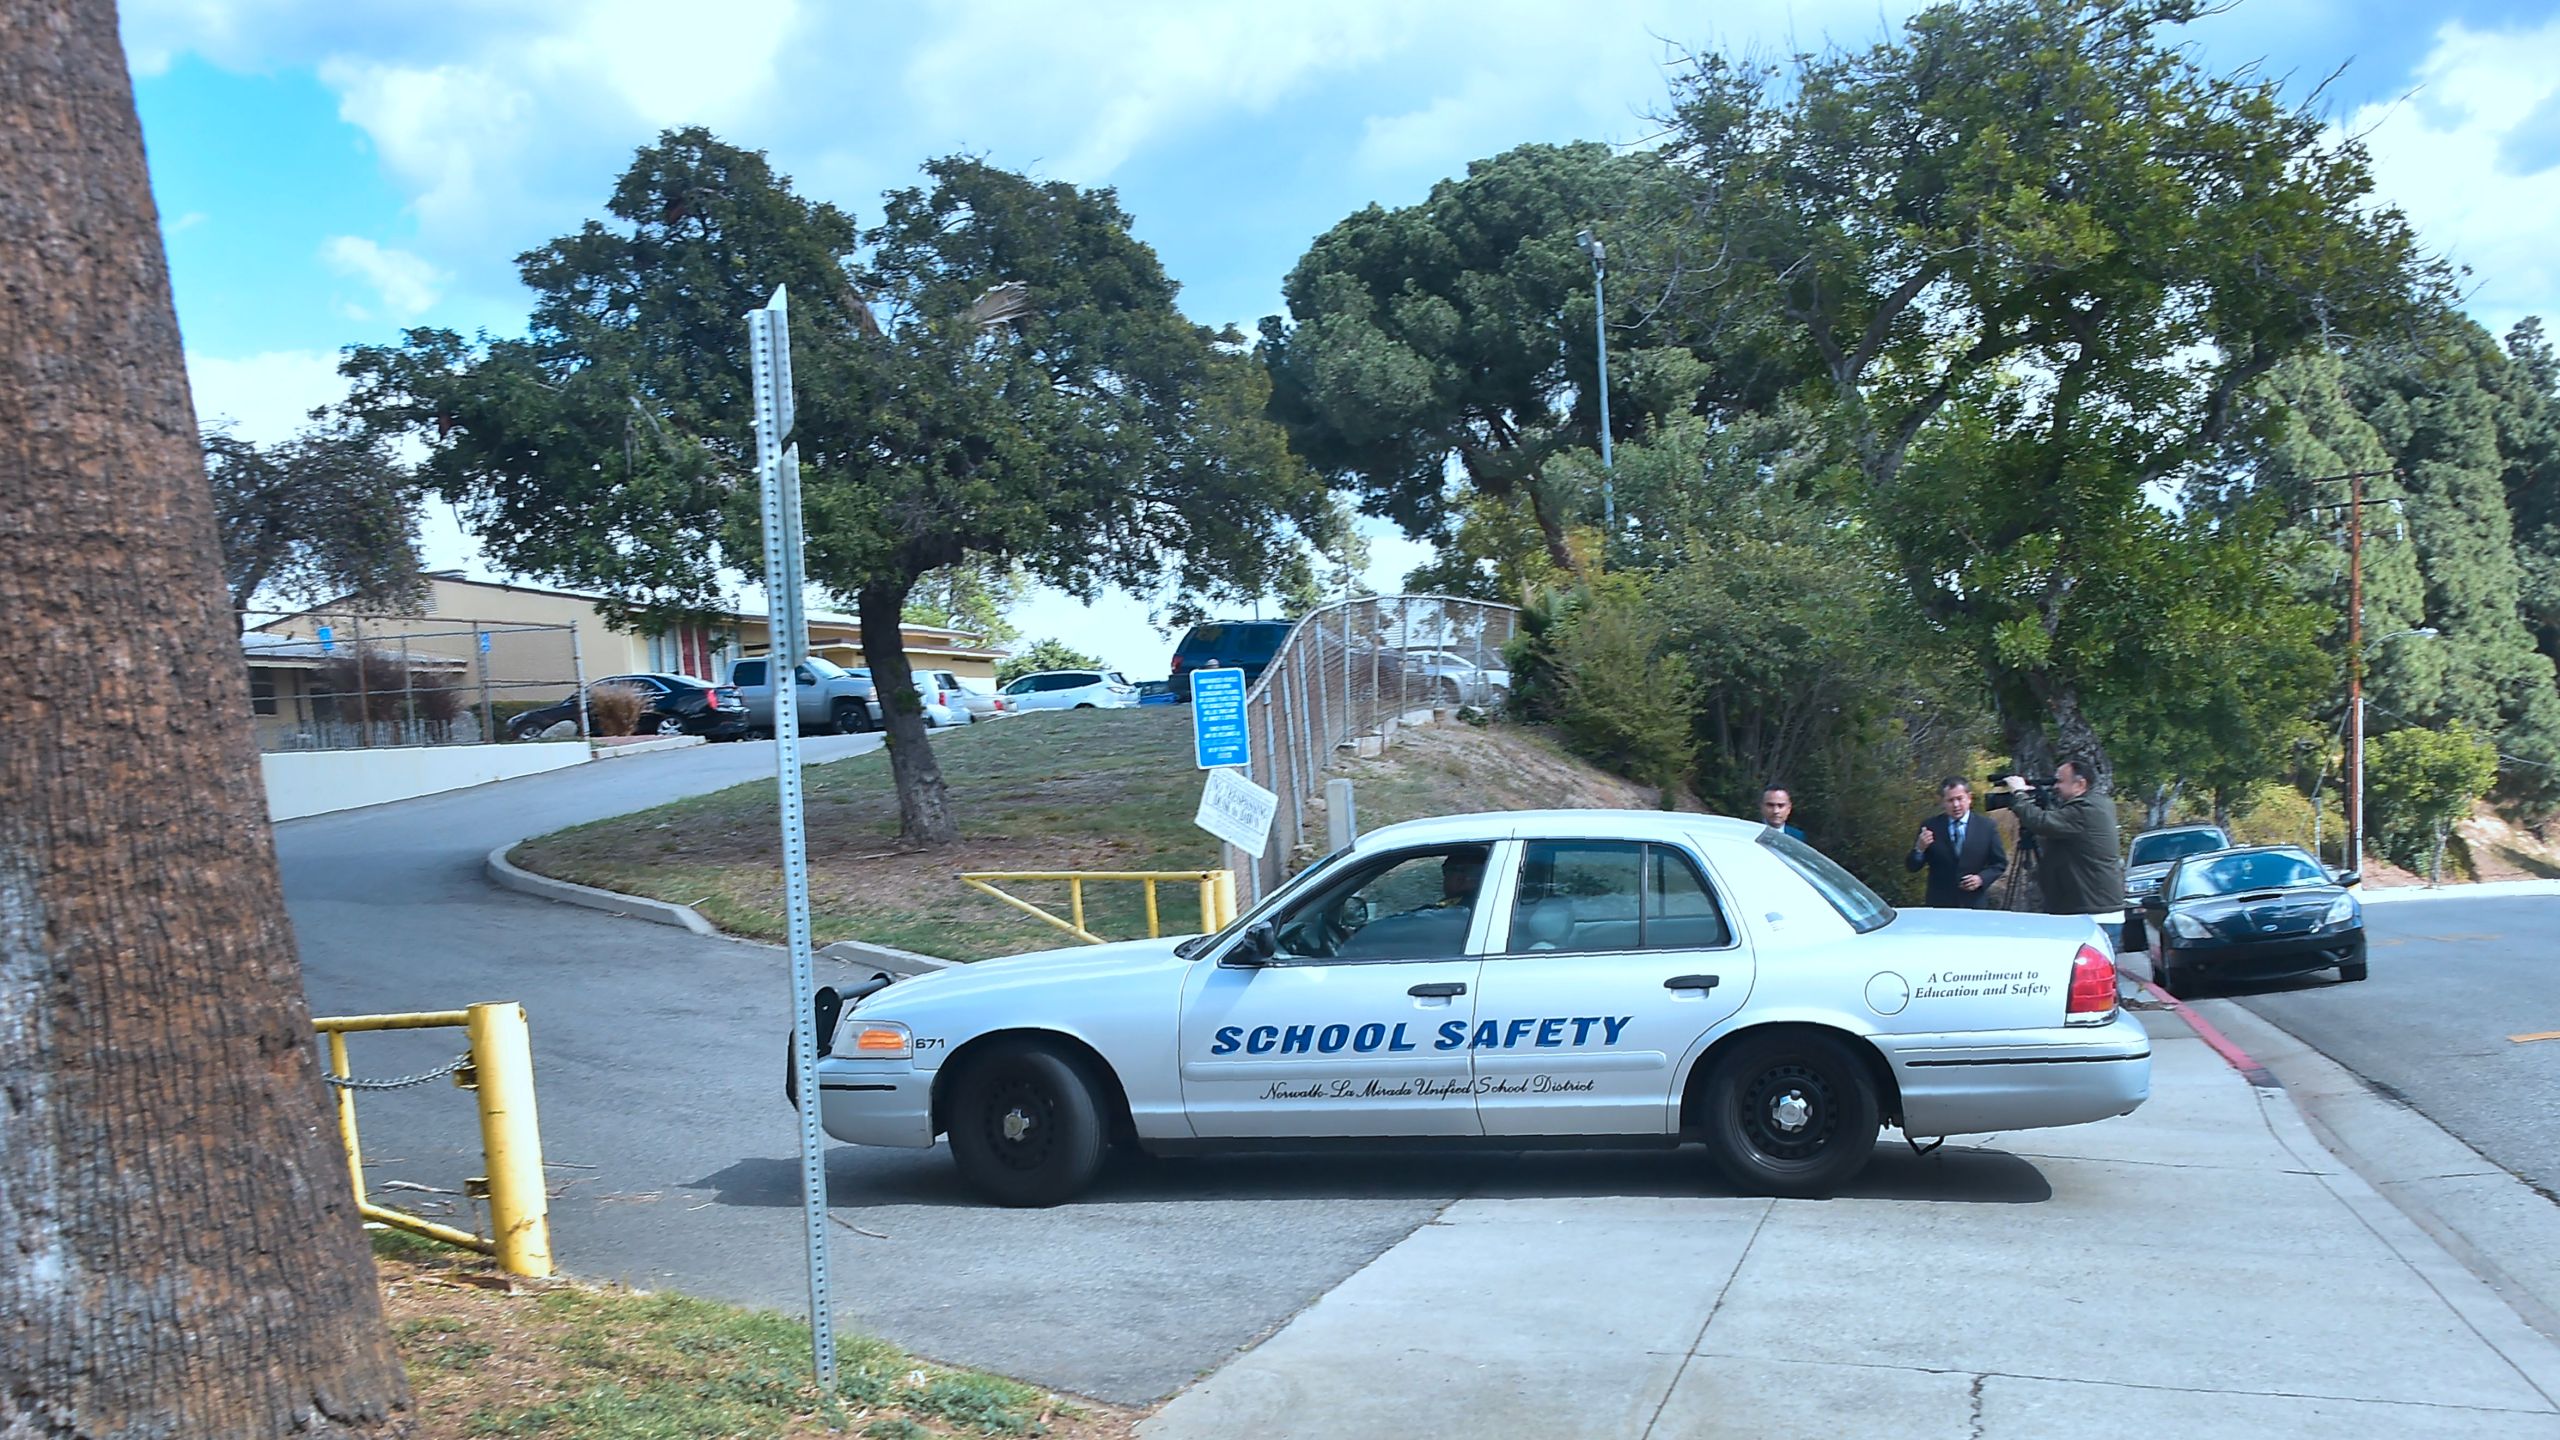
(1052, 790)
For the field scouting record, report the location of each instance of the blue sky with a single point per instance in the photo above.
(329, 173)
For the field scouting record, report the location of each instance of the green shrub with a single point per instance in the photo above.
(1622, 700)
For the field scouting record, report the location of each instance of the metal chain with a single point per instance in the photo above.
(349, 1082)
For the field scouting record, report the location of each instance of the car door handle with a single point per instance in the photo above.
(1439, 990)
(1693, 982)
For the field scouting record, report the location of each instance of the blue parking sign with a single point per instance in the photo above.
(1218, 735)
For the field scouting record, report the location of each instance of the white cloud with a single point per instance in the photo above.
(407, 285)
(1103, 81)
(2471, 161)
(264, 398)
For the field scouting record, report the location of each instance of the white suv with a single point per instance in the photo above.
(1071, 690)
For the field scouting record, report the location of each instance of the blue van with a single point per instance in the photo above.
(1246, 645)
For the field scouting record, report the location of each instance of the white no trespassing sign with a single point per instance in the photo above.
(1237, 811)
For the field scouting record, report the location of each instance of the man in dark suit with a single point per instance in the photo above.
(1961, 849)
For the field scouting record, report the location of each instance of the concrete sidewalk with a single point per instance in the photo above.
(2199, 1268)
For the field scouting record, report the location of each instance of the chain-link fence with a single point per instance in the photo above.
(1347, 669)
(324, 680)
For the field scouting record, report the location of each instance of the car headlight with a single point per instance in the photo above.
(2188, 927)
(2341, 911)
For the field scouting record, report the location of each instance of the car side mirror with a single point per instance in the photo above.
(1259, 945)
(2350, 877)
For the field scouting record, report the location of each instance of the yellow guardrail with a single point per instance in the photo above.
(1217, 895)
(498, 1069)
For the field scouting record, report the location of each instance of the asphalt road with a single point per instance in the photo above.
(658, 1059)
(2452, 979)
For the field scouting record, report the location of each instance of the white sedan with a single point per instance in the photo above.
(1511, 977)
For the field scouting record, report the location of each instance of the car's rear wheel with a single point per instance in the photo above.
(1791, 1113)
(1026, 1127)
(669, 725)
(850, 717)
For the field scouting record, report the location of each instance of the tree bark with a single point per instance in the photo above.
(179, 1248)
(924, 802)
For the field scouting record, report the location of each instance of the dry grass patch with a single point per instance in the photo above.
(488, 1356)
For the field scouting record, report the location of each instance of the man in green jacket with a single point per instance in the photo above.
(2075, 829)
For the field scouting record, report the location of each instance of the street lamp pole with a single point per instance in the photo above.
(1599, 254)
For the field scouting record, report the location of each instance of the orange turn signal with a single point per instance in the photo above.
(878, 1040)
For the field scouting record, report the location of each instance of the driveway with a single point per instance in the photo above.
(659, 1060)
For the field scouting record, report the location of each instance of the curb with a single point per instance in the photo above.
(2481, 890)
(644, 747)
(507, 875)
(2219, 1043)
(905, 964)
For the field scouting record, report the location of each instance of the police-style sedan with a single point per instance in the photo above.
(2260, 913)
(1506, 979)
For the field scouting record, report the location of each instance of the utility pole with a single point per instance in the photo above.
(2355, 504)
(2355, 670)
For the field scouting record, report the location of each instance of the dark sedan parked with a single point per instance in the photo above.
(677, 705)
(2260, 913)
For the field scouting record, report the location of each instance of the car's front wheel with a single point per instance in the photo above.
(2133, 935)
(2352, 970)
(1791, 1113)
(1026, 1127)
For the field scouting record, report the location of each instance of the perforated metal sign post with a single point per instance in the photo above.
(778, 473)
(1218, 735)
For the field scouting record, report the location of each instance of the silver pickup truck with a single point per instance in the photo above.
(831, 697)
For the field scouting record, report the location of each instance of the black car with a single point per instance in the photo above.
(677, 705)
(1246, 645)
(2262, 912)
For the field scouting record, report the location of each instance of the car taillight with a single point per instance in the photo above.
(1179, 665)
(2093, 988)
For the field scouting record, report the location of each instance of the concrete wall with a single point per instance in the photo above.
(314, 782)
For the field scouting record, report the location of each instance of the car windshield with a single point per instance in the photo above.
(1863, 908)
(825, 667)
(2249, 870)
(2175, 845)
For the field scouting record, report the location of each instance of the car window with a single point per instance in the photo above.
(747, 672)
(2177, 845)
(1588, 896)
(1114, 677)
(1412, 905)
(826, 667)
(1023, 686)
(2247, 871)
(1863, 908)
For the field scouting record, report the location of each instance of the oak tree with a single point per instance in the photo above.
(994, 374)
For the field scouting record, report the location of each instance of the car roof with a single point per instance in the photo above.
(2228, 852)
(2199, 825)
(1561, 824)
(1079, 670)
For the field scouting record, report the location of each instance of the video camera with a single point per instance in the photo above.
(1995, 797)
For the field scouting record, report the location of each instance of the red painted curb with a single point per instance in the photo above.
(2237, 1058)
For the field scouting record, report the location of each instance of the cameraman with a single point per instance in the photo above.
(2075, 828)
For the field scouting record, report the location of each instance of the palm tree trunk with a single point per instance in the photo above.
(182, 1252)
